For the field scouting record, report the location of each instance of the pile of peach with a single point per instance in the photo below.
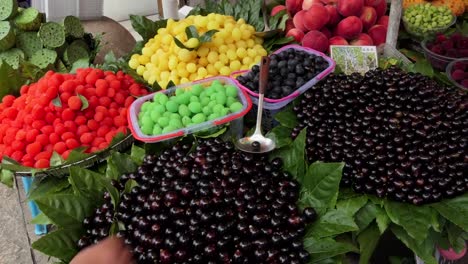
(318, 24)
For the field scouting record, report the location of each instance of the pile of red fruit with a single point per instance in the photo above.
(455, 46)
(62, 112)
(459, 73)
(318, 24)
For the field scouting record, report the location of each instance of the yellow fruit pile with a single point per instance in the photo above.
(458, 7)
(234, 47)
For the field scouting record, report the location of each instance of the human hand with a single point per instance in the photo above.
(109, 251)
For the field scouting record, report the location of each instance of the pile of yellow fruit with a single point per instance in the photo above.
(234, 47)
(458, 7)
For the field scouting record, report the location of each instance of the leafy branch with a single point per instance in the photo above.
(193, 35)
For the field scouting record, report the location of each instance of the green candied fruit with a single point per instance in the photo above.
(163, 121)
(140, 116)
(168, 129)
(221, 98)
(186, 121)
(177, 123)
(197, 89)
(147, 121)
(167, 114)
(194, 98)
(172, 106)
(198, 118)
(145, 106)
(184, 110)
(195, 107)
(183, 98)
(175, 116)
(160, 98)
(205, 101)
(231, 90)
(179, 91)
(212, 117)
(210, 90)
(147, 130)
(231, 100)
(155, 116)
(207, 110)
(212, 103)
(157, 130)
(225, 112)
(236, 107)
(159, 108)
(218, 108)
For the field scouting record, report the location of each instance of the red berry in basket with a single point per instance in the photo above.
(74, 102)
(458, 75)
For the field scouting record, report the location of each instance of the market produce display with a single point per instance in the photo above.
(427, 19)
(452, 46)
(213, 205)
(319, 24)
(459, 72)
(289, 70)
(401, 135)
(232, 47)
(62, 112)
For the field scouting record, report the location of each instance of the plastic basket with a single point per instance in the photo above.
(135, 109)
(275, 104)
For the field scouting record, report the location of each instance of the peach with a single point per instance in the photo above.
(316, 17)
(373, 3)
(326, 32)
(289, 25)
(350, 7)
(349, 27)
(378, 33)
(368, 17)
(277, 9)
(308, 3)
(362, 40)
(381, 8)
(297, 34)
(337, 40)
(315, 39)
(294, 6)
(299, 20)
(334, 15)
(383, 20)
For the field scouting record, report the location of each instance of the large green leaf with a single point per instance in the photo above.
(352, 205)
(320, 185)
(287, 118)
(366, 215)
(137, 154)
(294, 156)
(281, 135)
(40, 219)
(145, 27)
(334, 222)
(368, 240)
(382, 219)
(7, 177)
(455, 237)
(325, 248)
(46, 186)
(423, 249)
(65, 210)
(455, 210)
(60, 243)
(88, 184)
(416, 220)
(10, 80)
(118, 164)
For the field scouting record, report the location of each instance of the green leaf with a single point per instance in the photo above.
(347, 193)
(60, 243)
(191, 32)
(423, 249)
(47, 186)
(56, 159)
(423, 67)
(57, 101)
(137, 154)
(455, 210)
(207, 36)
(40, 219)
(7, 177)
(416, 220)
(84, 102)
(368, 240)
(181, 45)
(281, 135)
(118, 164)
(287, 118)
(334, 222)
(65, 210)
(10, 80)
(79, 64)
(382, 219)
(352, 205)
(76, 155)
(455, 237)
(320, 185)
(130, 184)
(145, 27)
(88, 184)
(219, 132)
(366, 215)
(321, 249)
(294, 156)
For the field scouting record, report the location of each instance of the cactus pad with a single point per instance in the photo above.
(7, 35)
(8, 9)
(52, 34)
(77, 50)
(73, 27)
(12, 57)
(43, 58)
(28, 20)
(29, 42)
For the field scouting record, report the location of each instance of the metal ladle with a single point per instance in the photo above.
(257, 143)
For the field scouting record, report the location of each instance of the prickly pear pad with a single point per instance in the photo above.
(7, 36)
(73, 27)
(8, 9)
(43, 58)
(28, 20)
(29, 42)
(52, 34)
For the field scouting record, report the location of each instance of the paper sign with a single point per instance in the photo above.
(351, 59)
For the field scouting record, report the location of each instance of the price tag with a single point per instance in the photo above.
(351, 59)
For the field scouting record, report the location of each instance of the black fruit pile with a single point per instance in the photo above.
(402, 135)
(289, 70)
(213, 205)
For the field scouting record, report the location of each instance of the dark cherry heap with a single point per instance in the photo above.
(402, 135)
(212, 205)
(289, 70)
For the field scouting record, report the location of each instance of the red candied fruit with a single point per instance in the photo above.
(74, 102)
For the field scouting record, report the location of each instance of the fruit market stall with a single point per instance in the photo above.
(145, 146)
